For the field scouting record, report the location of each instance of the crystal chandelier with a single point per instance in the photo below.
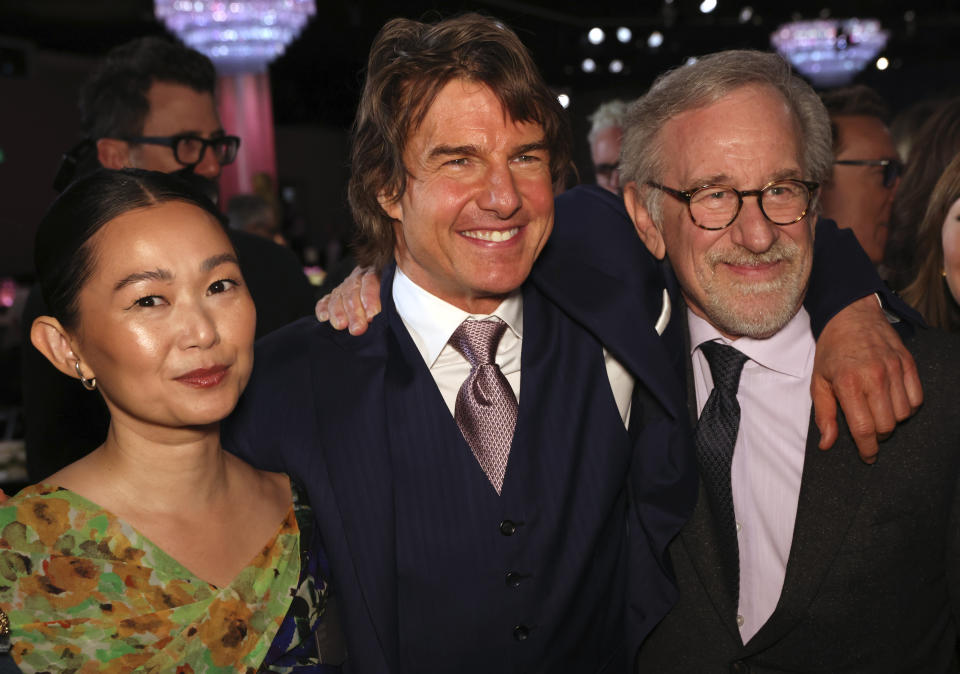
(830, 52)
(237, 35)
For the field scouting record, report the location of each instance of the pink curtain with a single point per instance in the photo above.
(246, 110)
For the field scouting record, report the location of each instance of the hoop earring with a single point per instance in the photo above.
(89, 384)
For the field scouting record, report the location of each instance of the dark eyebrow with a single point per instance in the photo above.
(451, 150)
(199, 134)
(165, 275)
(215, 261)
(155, 275)
(531, 147)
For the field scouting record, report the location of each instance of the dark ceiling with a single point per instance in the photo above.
(317, 80)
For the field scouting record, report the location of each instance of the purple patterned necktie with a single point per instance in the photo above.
(486, 408)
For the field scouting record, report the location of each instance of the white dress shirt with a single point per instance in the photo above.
(774, 397)
(431, 321)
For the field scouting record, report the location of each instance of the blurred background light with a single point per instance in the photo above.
(830, 52)
(237, 35)
(596, 35)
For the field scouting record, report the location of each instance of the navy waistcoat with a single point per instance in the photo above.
(533, 579)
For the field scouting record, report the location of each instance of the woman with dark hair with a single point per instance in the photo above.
(159, 549)
(935, 292)
(934, 145)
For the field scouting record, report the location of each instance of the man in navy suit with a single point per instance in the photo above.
(440, 564)
(445, 556)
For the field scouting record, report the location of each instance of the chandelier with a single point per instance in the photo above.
(830, 52)
(237, 35)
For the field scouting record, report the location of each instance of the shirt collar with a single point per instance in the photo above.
(787, 351)
(431, 321)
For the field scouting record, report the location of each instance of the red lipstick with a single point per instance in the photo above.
(204, 377)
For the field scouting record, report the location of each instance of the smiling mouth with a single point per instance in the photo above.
(751, 266)
(492, 235)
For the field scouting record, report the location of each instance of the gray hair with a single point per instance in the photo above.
(609, 114)
(703, 83)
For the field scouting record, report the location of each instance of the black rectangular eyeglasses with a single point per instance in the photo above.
(189, 149)
(892, 168)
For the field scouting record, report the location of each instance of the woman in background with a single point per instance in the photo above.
(935, 292)
(159, 550)
(934, 145)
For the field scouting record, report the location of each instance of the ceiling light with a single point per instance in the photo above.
(588, 65)
(596, 35)
(241, 35)
(655, 39)
(830, 53)
(624, 34)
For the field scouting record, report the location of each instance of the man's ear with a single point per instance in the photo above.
(648, 231)
(55, 344)
(113, 153)
(390, 205)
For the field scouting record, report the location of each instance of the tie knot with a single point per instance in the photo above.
(726, 363)
(478, 340)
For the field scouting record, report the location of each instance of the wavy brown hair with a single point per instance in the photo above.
(410, 62)
(928, 293)
(935, 144)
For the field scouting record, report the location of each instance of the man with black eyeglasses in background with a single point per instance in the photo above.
(149, 105)
(866, 168)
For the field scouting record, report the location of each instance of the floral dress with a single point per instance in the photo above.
(85, 592)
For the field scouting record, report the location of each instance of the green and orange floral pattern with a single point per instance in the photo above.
(85, 592)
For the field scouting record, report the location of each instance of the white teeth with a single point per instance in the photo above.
(494, 235)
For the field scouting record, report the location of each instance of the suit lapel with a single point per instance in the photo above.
(620, 316)
(832, 487)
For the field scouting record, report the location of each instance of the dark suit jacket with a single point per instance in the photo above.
(335, 411)
(350, 416)
(873, 578)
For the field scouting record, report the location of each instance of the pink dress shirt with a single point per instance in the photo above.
(774, 397)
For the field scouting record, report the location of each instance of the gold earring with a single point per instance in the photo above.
(89, 384)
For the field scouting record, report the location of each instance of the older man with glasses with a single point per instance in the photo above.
(866, 168)
(794, 560)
